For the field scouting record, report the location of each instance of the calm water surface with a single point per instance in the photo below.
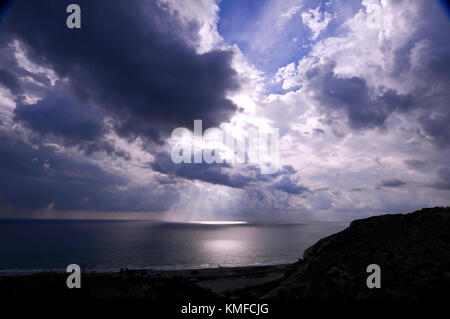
(109, 245)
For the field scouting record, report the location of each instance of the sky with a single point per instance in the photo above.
(359, 91)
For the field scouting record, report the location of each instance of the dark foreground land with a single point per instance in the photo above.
(412, 250)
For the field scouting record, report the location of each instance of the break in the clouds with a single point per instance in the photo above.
(359, 90)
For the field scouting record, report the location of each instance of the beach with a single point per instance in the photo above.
(147, 284)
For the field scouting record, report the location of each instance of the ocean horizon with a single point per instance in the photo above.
(28, 246)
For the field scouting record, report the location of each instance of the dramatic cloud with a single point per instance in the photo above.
(60, 118)
(399, 63)
(17, 78)
(135, 60)
(443, 179)
(358, 89)
(415, 163)
(392, 183)
(364, 109)
(222, 174)
(211, 173)
(8, 80)
(61, 115)
(285, 184)
(40, 178)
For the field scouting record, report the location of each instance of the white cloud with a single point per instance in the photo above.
(287, 15)
(316, 21)
(205, 14)
(402, 49)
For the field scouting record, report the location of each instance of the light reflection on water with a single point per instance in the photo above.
(224, 245)
(221, 222)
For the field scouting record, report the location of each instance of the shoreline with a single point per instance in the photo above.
(229, 282)
(116, 270)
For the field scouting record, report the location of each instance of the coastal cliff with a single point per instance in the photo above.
(412, 250)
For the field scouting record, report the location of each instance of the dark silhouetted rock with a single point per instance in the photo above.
(413, 251)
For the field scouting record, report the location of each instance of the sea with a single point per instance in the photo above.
(28, 246)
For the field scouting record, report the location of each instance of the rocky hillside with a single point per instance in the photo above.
(412, 250)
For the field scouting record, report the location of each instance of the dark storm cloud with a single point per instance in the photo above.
(34, 178)
(210, 173)
(363, 108)
(436, 124)
(443, 179)
(131, 61)
(61, 118)
(392, 183)
(16, 78)
(285, 184)
(414, 163)
(8, 80)
(61, 115)
(218, 174)
(357, 189)
(283, 180)
(104, 145)
(366, 108)
(37, 177)
(434, 96)
(130, 57)
(287, 170)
